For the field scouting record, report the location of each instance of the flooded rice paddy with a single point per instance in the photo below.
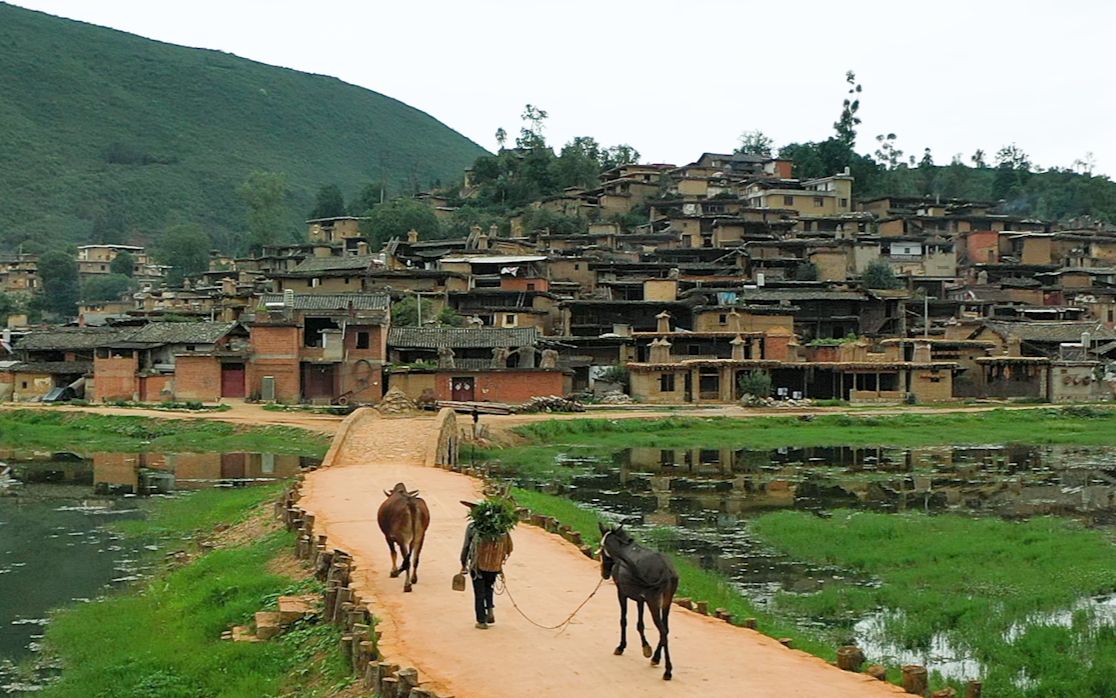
(57, 547)
(698, 502)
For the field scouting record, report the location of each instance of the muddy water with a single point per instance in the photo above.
(56, 547)
(698, 503)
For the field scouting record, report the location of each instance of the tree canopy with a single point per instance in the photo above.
(124, 264)
(330, 203)
(264, 195)
(59, 271)
(185, 248)
(396, 217)
(105, 287)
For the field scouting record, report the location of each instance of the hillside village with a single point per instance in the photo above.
(704, 283)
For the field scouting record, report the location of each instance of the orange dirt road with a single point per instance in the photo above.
(432, 628)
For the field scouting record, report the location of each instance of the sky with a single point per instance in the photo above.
(675, 79)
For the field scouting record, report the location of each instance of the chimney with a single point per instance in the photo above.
(1086, 343)
(660, 351)
(738, 346)
(412, 235)
(922, 353)
(663, 320)
(493, 231)
(289, 298)
(760, 279)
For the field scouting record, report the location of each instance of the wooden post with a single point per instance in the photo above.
(750, 623)
(408, 679)
(914, 679)
(945, 693)
(877, 671)
(347, 649)
(684, 602)
(850, 658)
(702, 607)
(973, 689)
(786, 642)
(389, 688)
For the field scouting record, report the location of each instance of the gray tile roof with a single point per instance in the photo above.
(151, 334)
(348, 262)
(461, 338)
(67, 338)
(331, 301)
(203, 332)
(1067, 331)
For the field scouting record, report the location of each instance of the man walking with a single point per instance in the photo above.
(482, 555)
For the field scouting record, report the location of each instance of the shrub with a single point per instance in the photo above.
(757, 383)
(615, 374)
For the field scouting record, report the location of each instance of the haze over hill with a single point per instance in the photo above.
(137, 135)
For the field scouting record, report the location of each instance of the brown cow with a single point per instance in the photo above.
(403, 517)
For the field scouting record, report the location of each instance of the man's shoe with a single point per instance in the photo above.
(481, 626)
(491, 617)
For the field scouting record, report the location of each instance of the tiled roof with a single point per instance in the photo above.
(52, 367)
(154, 333)
(761, 294)
(461, 338)
(349, 262)
(330, 301)
(67, 338)
(1051, 331)
(203, 332)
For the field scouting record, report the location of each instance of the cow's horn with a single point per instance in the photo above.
(386, 493)
(413, 493)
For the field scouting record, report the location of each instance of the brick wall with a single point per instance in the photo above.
(156, 387)
(932, 386)
(504, 386)
(197, 378)
(275, 353)
(116, 378)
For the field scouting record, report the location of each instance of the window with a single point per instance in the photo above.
(25, 385)
(362, 340)
(509, 320)
(103, 267)
(844, 202)
(722, 319)
(577, 267)
(819, 201)
(530, 287)
(346, 281)
(788, 201)
(191, 347)
(666, 383)
(310, 283)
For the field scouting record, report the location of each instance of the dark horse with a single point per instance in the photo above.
(645, 576)
(404, 517)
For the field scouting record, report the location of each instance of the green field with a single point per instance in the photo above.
(55, 430)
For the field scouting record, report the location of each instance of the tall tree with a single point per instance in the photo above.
(756, 142)
(105, 287)
(370, 195)
(185, 248)
(330, 203)
(61, 289)
(396, 218)
(265, 194)
(846, 124)
(123, 263)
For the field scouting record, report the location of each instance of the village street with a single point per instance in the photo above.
(432, 628)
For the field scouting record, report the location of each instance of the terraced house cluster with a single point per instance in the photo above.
(703, 281)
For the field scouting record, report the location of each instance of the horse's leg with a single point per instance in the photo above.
(654, 606)
(623, 621)
(666, 633)
(640, 626)
(394, 565)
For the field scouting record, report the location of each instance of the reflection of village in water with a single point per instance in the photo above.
(705, 495)
(149, 473)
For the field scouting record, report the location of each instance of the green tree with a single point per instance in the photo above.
(123, 264)
(398, 216)
(185, 248)
(10, 304)
(878, 274)
(330, 203)
(846, 124)
(265, 195)
(105, 287)
(370, 196)
(59, 271)
(617, 155)
(755, 142)
(109, 226)
(807, 271)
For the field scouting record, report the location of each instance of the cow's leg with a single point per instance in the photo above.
(394, 564)
(405, 566)
(416, 550)
(623, 622)
(639, 626)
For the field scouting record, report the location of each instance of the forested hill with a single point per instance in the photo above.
(112, 137)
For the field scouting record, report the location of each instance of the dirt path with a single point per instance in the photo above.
(432, 628)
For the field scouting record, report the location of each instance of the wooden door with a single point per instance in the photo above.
(232, 380)
(462, 389)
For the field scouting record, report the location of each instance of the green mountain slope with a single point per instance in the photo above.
(99, 125)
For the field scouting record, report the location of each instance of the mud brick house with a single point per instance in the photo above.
(1043, 339)
(48, 359)
(474, 364)
(344, 274)
(201, 361)
(508, 308)
(318, 347)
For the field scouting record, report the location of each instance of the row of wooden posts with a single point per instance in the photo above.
(345, 608)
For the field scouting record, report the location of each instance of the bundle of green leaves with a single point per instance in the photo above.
(493, 518)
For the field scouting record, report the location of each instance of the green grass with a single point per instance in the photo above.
(92, 432)
(96, 120)
(970, 579)
(162, 638)
(694, 582)
(196, 512)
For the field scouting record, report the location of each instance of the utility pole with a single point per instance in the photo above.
(926, 316)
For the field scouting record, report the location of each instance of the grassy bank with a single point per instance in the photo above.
(987, 585)
(162, 638)
(93, 432)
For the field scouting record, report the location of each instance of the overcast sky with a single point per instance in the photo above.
(675, 79)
